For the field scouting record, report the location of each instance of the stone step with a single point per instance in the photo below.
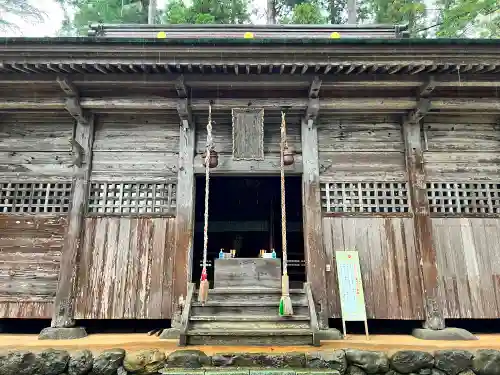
(237, 310)
(245, 325)
(253, 290)
(249, 318)
(249, 302)
(262, 337)
(256, 298)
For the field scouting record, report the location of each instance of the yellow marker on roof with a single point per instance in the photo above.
(248, 35)
(335, 35)
(161, 35)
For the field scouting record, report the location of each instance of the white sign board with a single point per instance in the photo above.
(352, 297)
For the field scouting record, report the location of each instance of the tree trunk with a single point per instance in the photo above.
(152, 12)
(351, 12)
(271, 12)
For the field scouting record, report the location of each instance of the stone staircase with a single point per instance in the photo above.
(239, 316)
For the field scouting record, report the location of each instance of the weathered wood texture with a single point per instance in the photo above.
(126, 268)
(223, 139)
(135, 146)
(248, 133)
(354, 150)
(422, 223)
(184, 222)
(33, 145)
(64, 304)
(461, 149)
(468, 266)
(247, 273)
(389, 265)
(311, 199)
(30, 254)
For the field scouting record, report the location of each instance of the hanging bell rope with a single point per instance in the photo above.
(204, 285)
(285, 307)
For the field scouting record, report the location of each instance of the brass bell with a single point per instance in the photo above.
(288, 158)
(213, 160)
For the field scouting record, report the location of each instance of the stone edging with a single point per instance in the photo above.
(195, 362)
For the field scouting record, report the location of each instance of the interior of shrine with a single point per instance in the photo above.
(245, 215)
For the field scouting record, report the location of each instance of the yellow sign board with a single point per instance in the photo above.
(352, 296)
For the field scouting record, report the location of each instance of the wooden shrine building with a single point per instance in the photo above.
(397, 156)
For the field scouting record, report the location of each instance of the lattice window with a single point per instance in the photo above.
(463, 197)
(35, 197)
(365, 197)
(132, 198)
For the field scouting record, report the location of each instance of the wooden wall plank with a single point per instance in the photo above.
(128, 261)
(223, 139)
(388, 260)
(468, 266)
(346, 135)
(35, 132)
(141, 132)
(30, 255)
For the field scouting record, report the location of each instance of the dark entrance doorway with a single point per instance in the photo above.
(245, 215)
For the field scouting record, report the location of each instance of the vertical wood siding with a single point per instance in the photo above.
(126, 268)
(388, 260)
(30, 252)
(469, 266)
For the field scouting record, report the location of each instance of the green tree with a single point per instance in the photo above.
(462, 18)
(207, 12)
(18, 8)
(106, 11)
(412, 12)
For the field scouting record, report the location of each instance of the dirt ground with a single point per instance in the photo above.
(132, 342)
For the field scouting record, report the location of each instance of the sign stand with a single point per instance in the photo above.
(352, 297)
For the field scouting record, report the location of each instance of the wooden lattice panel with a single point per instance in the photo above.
(463, 197)
(35, 197)
(365, 197)
(132, 198)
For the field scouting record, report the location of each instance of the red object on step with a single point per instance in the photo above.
(204, 274)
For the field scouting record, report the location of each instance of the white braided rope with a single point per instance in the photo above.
(207, 176)
(283, 207)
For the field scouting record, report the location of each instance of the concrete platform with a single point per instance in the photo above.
(100, 342)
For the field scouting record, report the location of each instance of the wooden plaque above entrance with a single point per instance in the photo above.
(248, 133)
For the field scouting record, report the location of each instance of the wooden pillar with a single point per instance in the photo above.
(183, 258)
(64, 305)
(422, 224)
(313, 230)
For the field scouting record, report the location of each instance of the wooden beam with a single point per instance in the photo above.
(142, 103)
(180, 86)
(183, 256)
(68, 87)
(427, 88)
(72, 103)
(313, 230)
(314, 88)
(422, 224)
(184, 111)
(64, 304)
(259, 80)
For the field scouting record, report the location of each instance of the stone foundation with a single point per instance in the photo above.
(195, 362)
